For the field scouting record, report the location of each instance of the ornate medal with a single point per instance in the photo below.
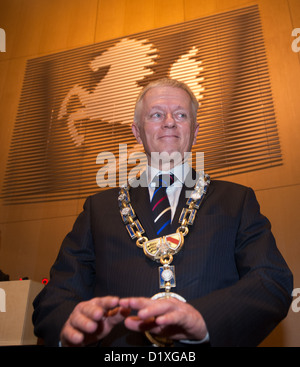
(162, 249)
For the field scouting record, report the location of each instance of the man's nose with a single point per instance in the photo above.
(169, 120)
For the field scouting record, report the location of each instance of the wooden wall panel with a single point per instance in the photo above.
(282, 206)
(39, 26)
(30, 235)
(110, 20)
(285, 76)
(294, 6)
(167, 12)
(30, 242)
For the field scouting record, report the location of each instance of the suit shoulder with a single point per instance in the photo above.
(228, 185)
(228, 194)
(106, 196)
(105, 193)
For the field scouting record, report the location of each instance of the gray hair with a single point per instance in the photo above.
(166, 82)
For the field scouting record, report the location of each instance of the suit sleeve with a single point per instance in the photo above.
(246, 312)
(71, 281)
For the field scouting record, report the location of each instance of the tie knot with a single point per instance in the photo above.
(164, 180)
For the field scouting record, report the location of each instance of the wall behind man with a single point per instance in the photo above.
(31, 234)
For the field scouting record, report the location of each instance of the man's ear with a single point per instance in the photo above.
(136, 133)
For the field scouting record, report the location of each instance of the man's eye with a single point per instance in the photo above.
(157, 115)
(181, 115)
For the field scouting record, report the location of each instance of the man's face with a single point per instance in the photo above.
(165, 123)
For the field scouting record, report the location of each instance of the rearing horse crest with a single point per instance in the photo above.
(129, 62)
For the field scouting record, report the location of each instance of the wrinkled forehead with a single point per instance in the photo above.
(166, 97)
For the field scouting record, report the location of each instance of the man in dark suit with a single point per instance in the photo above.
(232, 284)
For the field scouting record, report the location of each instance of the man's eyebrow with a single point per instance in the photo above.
(157, 106)
(162, 106)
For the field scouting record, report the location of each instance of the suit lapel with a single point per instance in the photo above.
(180, 206)
(141, 205)
(184, 195)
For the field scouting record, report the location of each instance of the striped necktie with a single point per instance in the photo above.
(161, 209)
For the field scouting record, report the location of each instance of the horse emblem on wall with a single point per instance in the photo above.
(113, 99)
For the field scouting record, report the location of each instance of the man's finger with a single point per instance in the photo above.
(71, 336)
(89, 317)
(106, 303)
(135, 303)
(148, 308)
(84, 323)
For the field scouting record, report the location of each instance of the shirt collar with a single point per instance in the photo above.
(180, 172)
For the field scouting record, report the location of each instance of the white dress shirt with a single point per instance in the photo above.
(173, 191)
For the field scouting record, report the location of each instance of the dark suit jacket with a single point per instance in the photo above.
(229, 268)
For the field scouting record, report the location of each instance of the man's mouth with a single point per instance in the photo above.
(169, 137)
